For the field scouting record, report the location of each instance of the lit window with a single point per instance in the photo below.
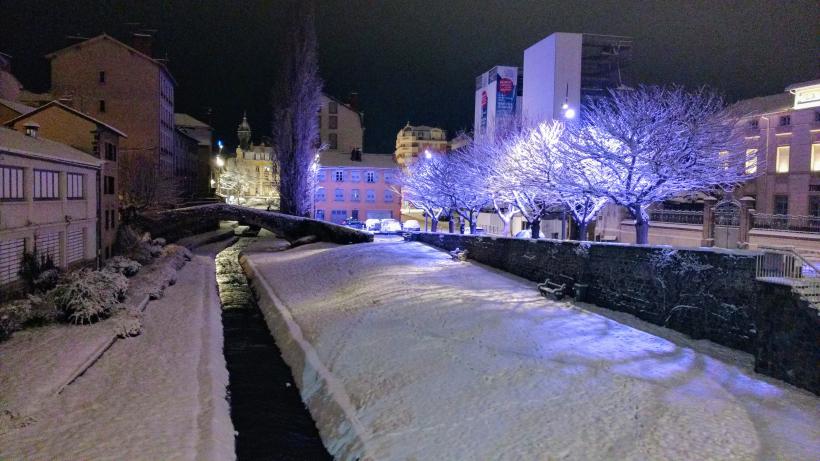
(815, 157)
(782, 161)
(339, 176)
(751, 161)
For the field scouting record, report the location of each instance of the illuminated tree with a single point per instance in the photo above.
(296, 101)
(421, 185)
(645, 146)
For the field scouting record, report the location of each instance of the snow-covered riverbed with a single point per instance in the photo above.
(401, 353)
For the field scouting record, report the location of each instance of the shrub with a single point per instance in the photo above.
(122, 265)
(87, 296)
(33, 269)
(127, 325)
(20, 313)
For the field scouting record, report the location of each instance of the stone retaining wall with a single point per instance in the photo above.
(705, 293)
(181, 222)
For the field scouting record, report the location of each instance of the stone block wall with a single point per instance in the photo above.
(705, 293)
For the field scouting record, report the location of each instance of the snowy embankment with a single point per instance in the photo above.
(401, 353)
(159, 395)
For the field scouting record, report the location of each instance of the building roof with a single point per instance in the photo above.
(339, 159)
(68, 109)
(797, 86)
(18, 143)
(186, 120)
(18, 107)
(103, 37)
(763, 105)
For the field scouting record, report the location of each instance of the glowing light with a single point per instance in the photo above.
(219, 144)
(220, 162)
(565, 106)
(570, 113)
(427, 154)
(213, 183)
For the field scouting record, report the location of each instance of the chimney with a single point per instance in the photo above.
(356, 155)
(142, 42)
(353, 101)
(31, 129)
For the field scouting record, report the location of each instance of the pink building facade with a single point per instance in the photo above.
(357, 185)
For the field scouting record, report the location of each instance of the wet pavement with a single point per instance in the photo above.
(267, 412)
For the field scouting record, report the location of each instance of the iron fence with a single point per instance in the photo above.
(676, 216)
(784, 222)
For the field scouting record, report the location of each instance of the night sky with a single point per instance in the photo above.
(417, 60)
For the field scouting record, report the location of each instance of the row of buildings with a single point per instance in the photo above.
(104, 137)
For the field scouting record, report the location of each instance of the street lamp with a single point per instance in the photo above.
(427, 154)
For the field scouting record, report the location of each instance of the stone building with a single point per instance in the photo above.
(10, 87)
(69, 126)
(48, 200)
(204, 134)
(126, 87)
(412, 141)
(251, 173)
(12, 109)
(357, 185)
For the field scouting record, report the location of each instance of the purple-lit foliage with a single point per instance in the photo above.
(645, 146)
(296, 100)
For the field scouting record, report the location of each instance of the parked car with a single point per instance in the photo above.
(389, 226)
(373, 225)
(411, 225)
(353, 223)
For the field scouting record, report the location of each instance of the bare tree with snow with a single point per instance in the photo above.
(644, 146)
(296, 100)
(422, 186)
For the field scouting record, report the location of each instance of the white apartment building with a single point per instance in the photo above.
(48, 200)
(341, 126)
(412, 141)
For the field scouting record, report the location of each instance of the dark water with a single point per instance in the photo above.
(272, 421)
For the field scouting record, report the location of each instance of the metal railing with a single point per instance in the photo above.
(784, 222)
(676, 216)
(785, 265)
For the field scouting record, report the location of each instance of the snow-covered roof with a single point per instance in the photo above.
(12, 141)
(18, 107)
(186, 120)
(763, 105)
(339, 159)
(33, 111)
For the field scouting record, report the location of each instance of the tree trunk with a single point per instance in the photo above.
(505, 231)
(535, 228)
(582, 230)
(433, 225)
(641, 225)
(451, 225)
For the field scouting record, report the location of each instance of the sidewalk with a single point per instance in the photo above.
(160, 395)
(401, 353)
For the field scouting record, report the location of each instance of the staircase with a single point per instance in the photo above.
(784, 265)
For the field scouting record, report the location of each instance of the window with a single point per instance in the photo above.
(388, 177)
(339, 176)
(339, 195)
(11, 256)
(320, 194)
(815, 157)
(782, 161)
(110, 152)
(333, 141)
(814, 206)
(106, 220)
(753, 124)
(817, 116)
(781, 204)
(74, 186)
(786, 120)
(355, 176)
(333, 107)
(320, 214)
(102, 76)
(102, 105)
(724, 163)
(11, 183)
(371, 195)
(354, 195)
(333, 122)
(370, 176)
(751, 161)
(108, 185)
(388, 196)
(337, 216)
(322, 175)
(46, 185)
(354, 214)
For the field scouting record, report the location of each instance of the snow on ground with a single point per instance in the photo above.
(160, 395)
(402, 353)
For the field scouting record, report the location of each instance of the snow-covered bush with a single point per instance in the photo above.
(38, 271)
(19, 313)
(125, 266)
(177, 254)
(127, 325)
(87, 296)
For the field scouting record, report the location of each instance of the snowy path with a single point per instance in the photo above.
(159, 395)
(401, 353)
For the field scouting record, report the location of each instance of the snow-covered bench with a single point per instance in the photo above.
(550, 288)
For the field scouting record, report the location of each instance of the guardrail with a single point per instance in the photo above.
(783, 264)
(784, 222)
(676, 216)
